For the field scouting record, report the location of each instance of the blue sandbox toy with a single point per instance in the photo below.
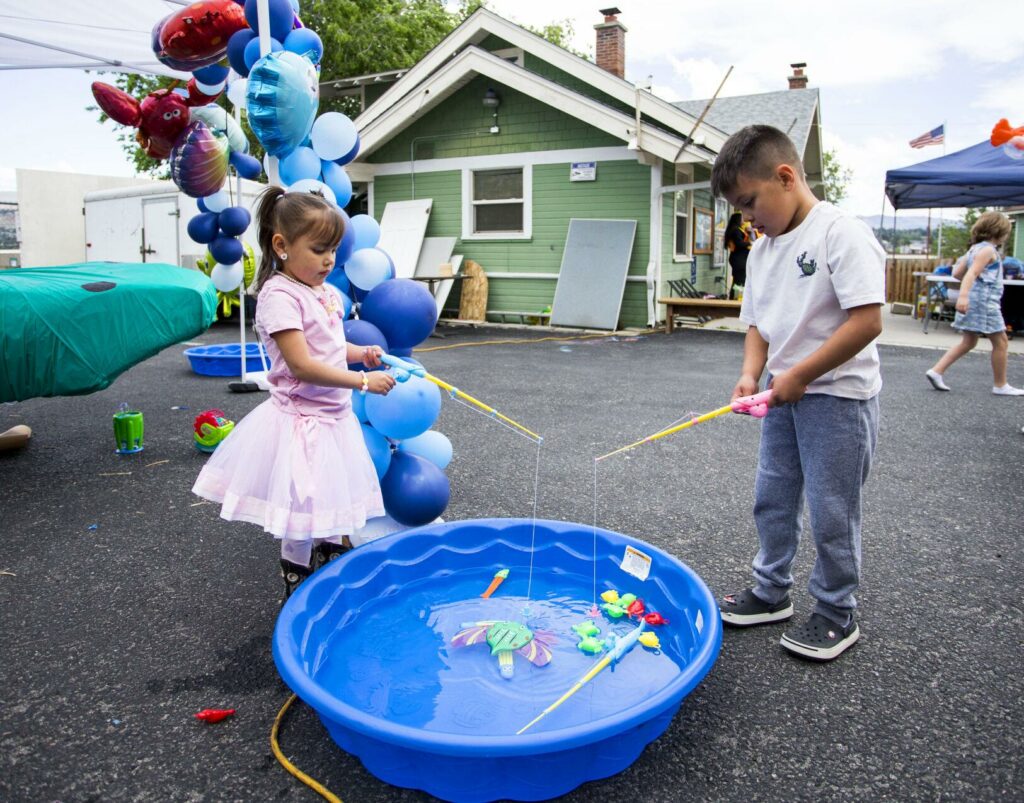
(224, 359)
(367, 643)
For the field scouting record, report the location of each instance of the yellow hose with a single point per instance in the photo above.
(311, 783)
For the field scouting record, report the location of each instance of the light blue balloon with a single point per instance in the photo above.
(409, 409)
(367, 267)
(335, 177)
(282, 99)
(217, 202)
(378, 447)
(299, 164)
(432, 445)
(305, 42)
(366, 230)
(333, 135)
(359, 407)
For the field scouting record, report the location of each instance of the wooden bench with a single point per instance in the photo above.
(699, 308)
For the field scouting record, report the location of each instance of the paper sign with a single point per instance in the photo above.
(583, 171)
(636, 563)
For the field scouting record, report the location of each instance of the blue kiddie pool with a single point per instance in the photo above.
(225, 359)
(368, 643)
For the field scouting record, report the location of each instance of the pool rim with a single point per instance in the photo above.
(286, 650)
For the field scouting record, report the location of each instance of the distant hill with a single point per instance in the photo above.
(909, 221)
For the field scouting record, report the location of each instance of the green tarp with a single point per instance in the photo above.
(73, 329)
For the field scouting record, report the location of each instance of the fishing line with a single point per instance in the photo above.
(533, 534)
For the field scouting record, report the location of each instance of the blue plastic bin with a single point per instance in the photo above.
(224, 359)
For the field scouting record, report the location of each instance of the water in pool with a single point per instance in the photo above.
(393, 657)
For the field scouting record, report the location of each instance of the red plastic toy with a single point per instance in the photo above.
(655, 619)
(214, 714)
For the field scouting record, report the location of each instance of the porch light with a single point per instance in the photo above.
(491, 99)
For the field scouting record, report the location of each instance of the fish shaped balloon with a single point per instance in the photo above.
(197, 35)
(199, 160)
(282, 100)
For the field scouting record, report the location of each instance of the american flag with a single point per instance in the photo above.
(934, 137)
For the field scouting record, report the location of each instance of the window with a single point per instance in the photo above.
(682, 205)
(497, 203)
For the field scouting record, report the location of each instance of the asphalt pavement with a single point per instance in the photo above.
(126, 604)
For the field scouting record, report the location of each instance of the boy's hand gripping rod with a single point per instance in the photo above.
(403, 370)
(756, 405)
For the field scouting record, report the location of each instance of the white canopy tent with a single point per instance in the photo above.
(109, 35)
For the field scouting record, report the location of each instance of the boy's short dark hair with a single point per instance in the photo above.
(753, 151)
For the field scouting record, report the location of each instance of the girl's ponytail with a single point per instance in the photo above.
(265, 228)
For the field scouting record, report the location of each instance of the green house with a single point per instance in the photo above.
(511, 136)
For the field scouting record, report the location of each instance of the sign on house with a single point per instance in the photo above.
(583, 171)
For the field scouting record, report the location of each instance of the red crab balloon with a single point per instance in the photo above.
(199, 33)
(160, 117)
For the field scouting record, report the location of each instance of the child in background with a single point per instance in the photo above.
(297, 465)
(812, 301)
(978, 310)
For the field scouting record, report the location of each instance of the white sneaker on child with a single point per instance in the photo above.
(1008, 390)
(936, 379)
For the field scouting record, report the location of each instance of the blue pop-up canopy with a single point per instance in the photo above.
(981, 175)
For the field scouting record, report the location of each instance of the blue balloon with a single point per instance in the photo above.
(415, 491)
(236, 50)
(227, 250)
(409, 409)
(203, 227)
(348, 157)
(346, 302)
(299, 164)
(363, 333)
(367, 267)
(403, 310)
(234, 220)
(378, 447)
(405, 354)
(335, 177)
(333, 135)
(431, 445)
(348, 242)
(282, 99)
(282, 15)
(202, 206)
(359, 407)
(305, 42)
(247, 166)
(252, 51)
(214, 74)
(367, 231)
(338, 278)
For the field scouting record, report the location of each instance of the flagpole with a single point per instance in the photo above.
(944, 137)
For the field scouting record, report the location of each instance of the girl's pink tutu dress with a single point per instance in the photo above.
(297, 465)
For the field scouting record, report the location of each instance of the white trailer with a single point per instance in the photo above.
(148, 223)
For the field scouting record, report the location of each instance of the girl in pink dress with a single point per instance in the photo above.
(297, 464)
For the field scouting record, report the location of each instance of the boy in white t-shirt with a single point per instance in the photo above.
(813, 298)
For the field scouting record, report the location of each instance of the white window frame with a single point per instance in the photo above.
(468, 204)
(683, 176)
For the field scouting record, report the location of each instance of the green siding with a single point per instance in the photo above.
(552, 73)
(458, 127)
(621, 191)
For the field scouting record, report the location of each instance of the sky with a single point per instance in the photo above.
(886, 72)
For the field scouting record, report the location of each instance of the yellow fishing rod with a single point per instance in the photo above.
(403, 370)
(756, 405)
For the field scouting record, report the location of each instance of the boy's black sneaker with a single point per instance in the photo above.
(326, 551)
(293, 575)
(746, 608)
(820, 639)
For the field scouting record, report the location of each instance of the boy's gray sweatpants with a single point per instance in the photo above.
(819, 448)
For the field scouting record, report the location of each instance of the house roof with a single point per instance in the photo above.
(473, 61)
(483, 23)
(791, 110)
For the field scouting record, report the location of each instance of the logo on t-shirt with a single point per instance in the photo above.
(807, 266)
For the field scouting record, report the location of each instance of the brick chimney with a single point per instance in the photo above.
(611, 43)
(798, 80)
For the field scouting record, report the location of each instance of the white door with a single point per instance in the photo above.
(160, 230)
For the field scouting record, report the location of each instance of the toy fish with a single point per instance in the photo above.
(497, 581)
(636, 608)
(587, 628)
(611, 596)
(590, 645)
(649, 639)
(214, 714)
(654, 618)
(504, 638)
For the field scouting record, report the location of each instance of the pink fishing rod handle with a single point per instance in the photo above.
(756, 405)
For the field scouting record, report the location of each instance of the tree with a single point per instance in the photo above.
(956, 239)
(835, 176)
(360, 37)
